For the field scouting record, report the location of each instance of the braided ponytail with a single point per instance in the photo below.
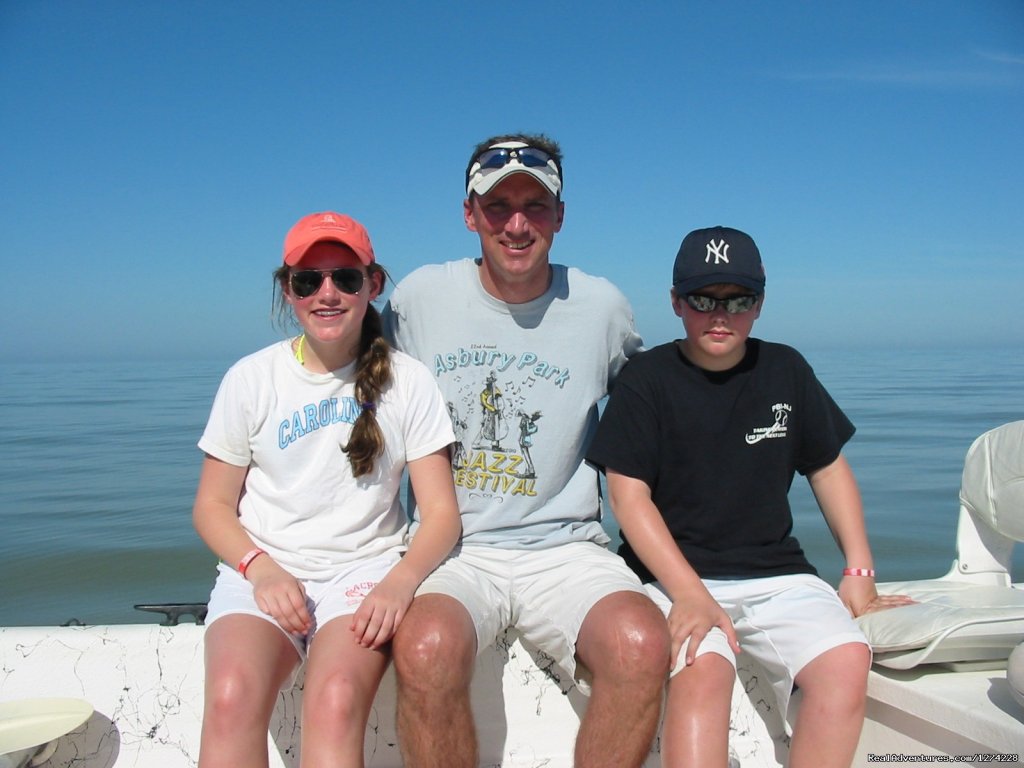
(373, 374)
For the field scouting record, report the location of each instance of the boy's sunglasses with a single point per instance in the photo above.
(734, 305)
(305, 282)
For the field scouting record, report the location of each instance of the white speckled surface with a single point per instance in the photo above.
(145, 683)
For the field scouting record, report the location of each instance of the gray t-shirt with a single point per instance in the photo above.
(522, 383)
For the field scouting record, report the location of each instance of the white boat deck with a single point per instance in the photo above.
(145, 683)
(936, 711)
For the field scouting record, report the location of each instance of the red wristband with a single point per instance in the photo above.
(251, 555)
(859, 572)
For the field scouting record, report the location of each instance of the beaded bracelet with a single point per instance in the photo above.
(251, 555)
(859, 572)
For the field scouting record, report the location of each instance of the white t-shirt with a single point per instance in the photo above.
(301, 502)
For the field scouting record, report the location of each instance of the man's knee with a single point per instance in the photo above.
(625, 633)
(435, 644)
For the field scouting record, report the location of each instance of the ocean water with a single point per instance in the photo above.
(99, 466)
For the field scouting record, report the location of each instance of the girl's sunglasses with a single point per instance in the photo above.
(305, 282)
(734, 305)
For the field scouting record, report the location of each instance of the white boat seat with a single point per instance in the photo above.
(973, 614)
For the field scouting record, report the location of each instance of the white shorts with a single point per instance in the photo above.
(545, 594)
(783, 622)
(327, 599)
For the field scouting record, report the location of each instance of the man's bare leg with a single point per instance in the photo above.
(624, 643)
(434, 652)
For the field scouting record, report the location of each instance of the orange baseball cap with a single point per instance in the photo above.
(328, 225)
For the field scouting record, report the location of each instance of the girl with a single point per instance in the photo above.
(304, 452)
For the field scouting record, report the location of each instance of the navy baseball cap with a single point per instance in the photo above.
(717, 255)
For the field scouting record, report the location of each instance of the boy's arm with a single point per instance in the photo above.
(835, 489)
(694, 611)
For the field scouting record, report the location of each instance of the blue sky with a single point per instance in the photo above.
(154, 154)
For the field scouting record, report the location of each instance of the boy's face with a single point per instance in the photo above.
(716, 340)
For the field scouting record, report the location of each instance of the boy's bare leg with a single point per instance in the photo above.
(831, 713)
(697, 710)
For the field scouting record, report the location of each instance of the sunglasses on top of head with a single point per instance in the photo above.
(305, 282)
(734, 305)
(499, 157)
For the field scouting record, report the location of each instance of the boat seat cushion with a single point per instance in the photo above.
(952, 622)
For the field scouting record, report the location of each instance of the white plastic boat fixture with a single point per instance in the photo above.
(939, 686)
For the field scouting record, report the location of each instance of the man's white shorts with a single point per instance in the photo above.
(545, 594)
(784, 622)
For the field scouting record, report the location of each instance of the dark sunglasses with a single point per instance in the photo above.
(734, 305)
(306, 282)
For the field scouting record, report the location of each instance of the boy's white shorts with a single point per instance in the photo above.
(783, 622)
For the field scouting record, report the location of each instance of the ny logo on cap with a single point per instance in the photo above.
(720, 250)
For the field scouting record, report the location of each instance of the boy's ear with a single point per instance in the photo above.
(677, 306)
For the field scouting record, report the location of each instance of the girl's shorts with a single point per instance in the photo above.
(340, 595)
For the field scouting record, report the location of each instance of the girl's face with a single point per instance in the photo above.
(330, 315)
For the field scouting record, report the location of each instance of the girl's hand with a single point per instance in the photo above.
(692, 618)
(279, 594)
(378, 617)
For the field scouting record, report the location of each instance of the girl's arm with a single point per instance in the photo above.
(694, 611)
(376, 620)
(215, 516)
(835, 489)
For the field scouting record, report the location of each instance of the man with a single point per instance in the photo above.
(511, 333)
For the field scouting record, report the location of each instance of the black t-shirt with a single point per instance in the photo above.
(719, 451)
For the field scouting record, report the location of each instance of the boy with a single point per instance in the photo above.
(700, 442)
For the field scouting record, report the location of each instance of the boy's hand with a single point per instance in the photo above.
(692, 618)
(859, 595)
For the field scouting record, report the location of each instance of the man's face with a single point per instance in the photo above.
(516, 221)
